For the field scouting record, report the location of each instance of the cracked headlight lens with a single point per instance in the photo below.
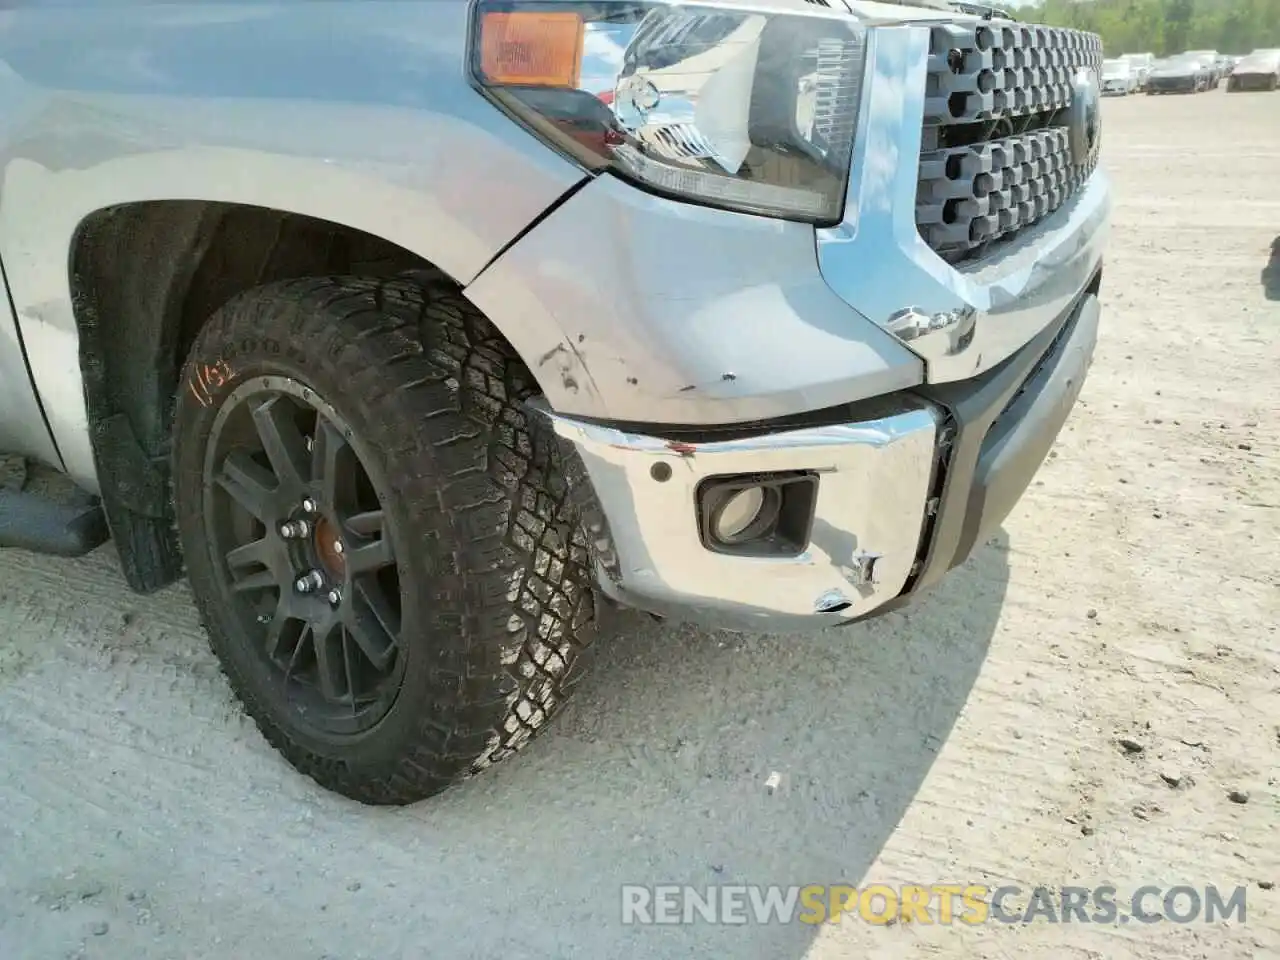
(745, 109)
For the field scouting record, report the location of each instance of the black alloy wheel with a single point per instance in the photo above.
(393, 555)
(310, 563)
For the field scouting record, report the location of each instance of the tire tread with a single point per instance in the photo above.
(510, 610)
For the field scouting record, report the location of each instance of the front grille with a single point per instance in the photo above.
(995, 156)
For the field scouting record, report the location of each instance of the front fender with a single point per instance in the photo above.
(633, 307)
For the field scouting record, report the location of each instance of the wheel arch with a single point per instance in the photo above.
(144, 277)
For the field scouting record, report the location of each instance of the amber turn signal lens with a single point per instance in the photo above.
(526, 48)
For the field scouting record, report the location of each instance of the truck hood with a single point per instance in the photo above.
(871, 10)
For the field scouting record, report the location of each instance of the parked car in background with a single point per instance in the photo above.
(1258, 71)
(1211, 61)
(1118, 78)
(1184, 74)
(1141, 64)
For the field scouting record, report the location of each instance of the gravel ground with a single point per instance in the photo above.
(973, 739)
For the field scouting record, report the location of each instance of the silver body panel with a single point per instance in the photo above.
(353, 112)
(22, 428)
(636, 308)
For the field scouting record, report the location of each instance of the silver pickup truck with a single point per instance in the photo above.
(414, 333)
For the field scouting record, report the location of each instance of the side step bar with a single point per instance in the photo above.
(32, 522)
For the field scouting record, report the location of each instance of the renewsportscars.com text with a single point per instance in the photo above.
(940, 903)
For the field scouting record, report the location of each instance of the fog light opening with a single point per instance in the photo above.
(757, 515)
(746, 514)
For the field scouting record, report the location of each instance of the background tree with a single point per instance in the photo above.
(1166, 27)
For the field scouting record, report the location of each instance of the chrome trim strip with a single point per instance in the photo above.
(960, 320)
(873, 484)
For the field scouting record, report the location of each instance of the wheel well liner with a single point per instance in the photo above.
(144, 278)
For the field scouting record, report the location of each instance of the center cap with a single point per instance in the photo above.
(327, 541)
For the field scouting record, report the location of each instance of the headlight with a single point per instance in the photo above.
(743, 109)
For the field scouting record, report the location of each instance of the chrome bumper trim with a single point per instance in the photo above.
(873, 487)
(961, 320)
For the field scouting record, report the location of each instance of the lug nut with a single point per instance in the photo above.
(295, 529)
(308, 505)
(335, 597)
(309, 582)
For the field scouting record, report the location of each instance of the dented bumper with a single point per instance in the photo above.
(873, 479)
(903, 491)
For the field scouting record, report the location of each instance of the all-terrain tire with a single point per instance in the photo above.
(496, 588)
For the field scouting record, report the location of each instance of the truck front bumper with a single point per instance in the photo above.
(903, 491)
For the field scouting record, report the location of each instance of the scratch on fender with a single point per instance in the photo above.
(570, 365)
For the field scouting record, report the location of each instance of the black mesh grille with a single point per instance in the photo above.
(995, 155)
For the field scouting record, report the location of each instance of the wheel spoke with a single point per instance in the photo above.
(248, 484)
(328, 452)
(370, 557)
(259, 552)
(365, 524)
(370, 594)
(373, 642)
(282, 440)
(275, 628)
(262, 580)
(372, 625)
(330, 669)
(307, 633)
(348, 668)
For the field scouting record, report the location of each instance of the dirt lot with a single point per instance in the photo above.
(974, 739)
